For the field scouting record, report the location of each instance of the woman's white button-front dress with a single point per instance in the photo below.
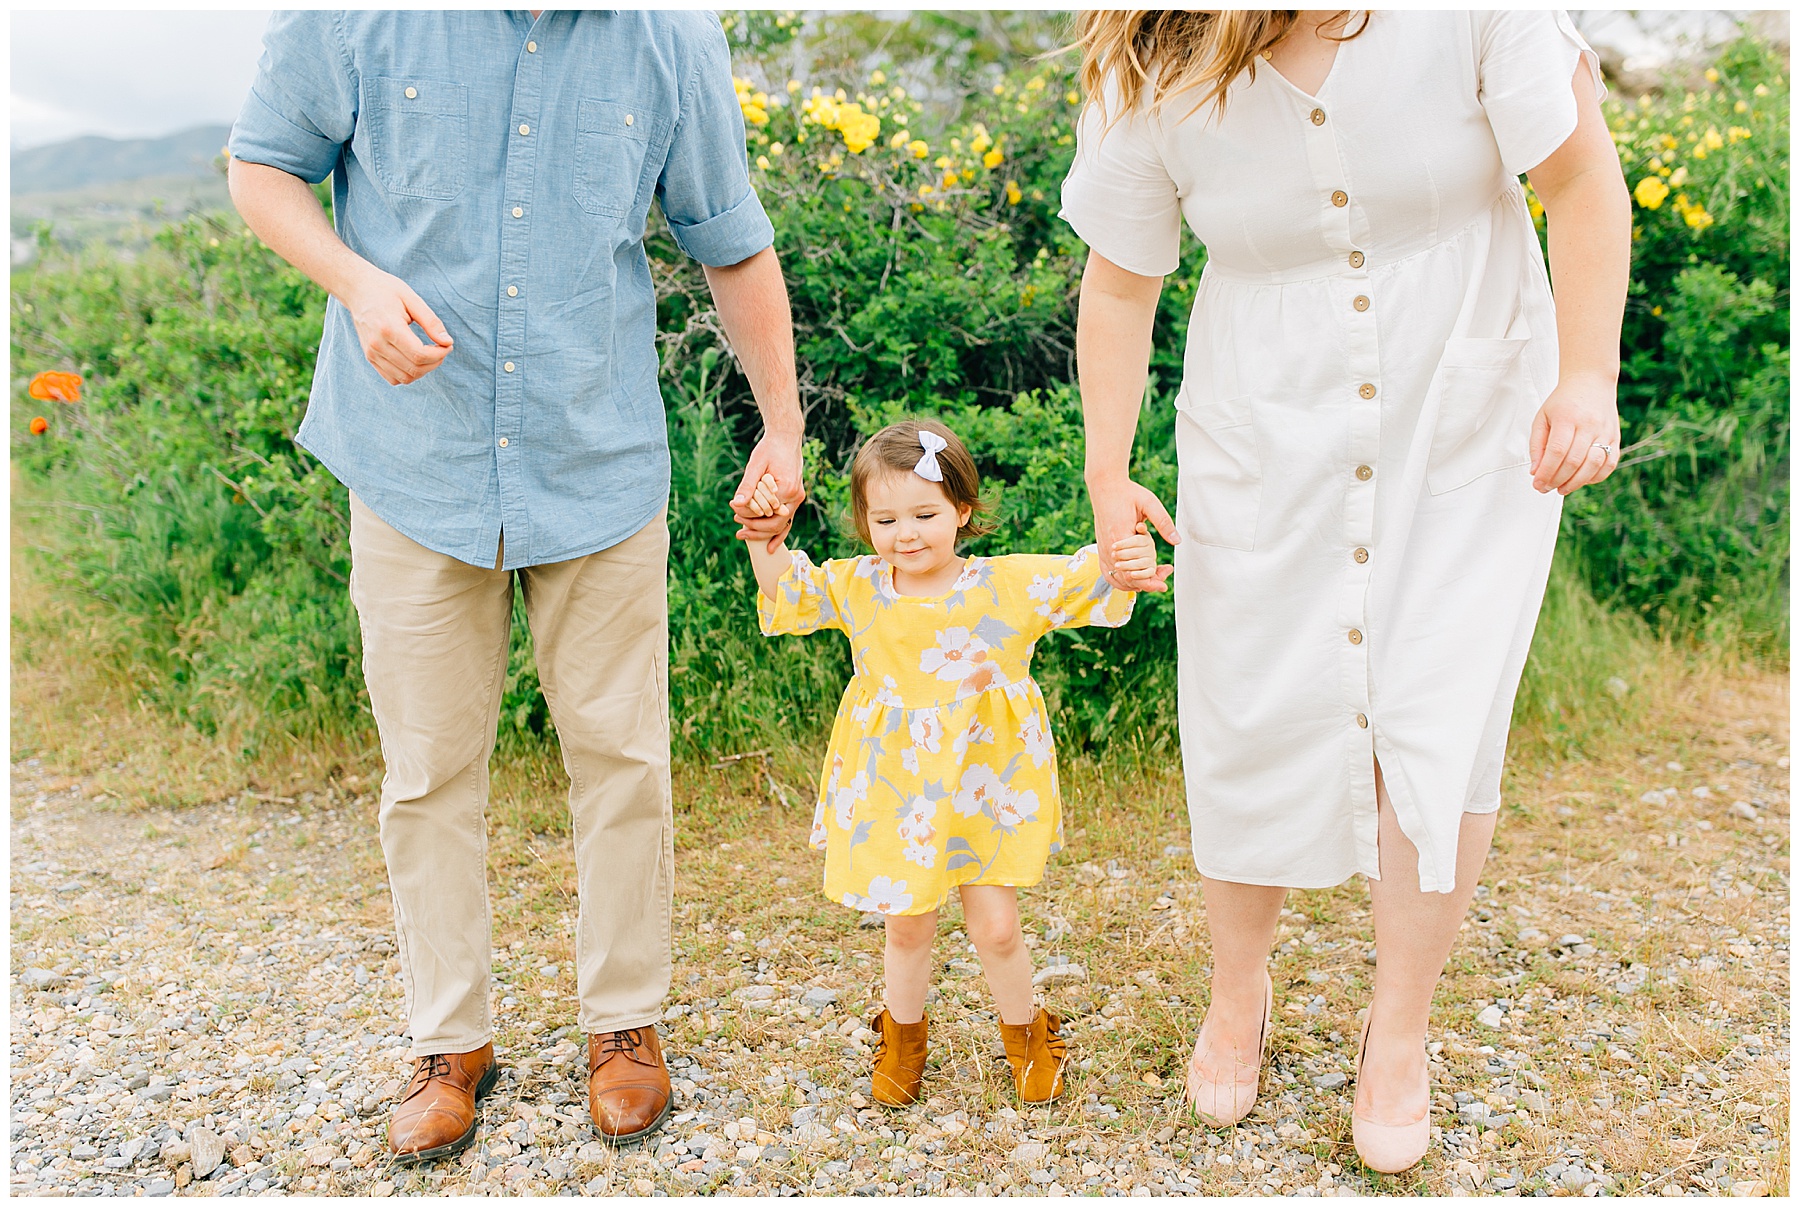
(1363, 555)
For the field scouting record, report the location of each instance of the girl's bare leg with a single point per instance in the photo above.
(991, 913)
(906, 964)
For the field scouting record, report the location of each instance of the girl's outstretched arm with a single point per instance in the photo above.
(769, 559)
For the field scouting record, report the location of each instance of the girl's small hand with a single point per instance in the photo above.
(1134, 560)
(765, 500)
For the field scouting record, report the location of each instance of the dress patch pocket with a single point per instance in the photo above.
(1220, 472)
(1483, 398)
(612, 144)
(419, 136)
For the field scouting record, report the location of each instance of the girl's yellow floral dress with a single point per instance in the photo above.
(941, 770)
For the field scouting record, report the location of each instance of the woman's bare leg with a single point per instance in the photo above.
(1414, 932)
(1242, 920)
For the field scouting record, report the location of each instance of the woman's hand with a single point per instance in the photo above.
(1134, 558)
(1575, 436)
(1121, 508)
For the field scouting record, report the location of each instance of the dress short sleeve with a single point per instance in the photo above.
(1527, 58)
(1119, 196)
(1068, 592)
(808, 598)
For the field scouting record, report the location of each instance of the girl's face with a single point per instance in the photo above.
(912, 523)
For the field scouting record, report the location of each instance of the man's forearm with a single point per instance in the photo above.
(284, 213)
(752, 302)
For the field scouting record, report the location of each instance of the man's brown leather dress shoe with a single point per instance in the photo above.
(436, 1116)
(628, 1084)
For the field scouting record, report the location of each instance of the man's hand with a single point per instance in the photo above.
(776, 457)
(384, 309)
(1120, 508)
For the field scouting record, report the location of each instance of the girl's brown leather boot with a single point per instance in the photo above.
(1036, 1053)
(899, 1060)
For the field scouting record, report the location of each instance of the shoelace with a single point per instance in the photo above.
(434, 1066)
(616, 1042)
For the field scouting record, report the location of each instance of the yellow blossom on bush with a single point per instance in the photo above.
(1740, 107)
(942, 161)
(949, 181)
(1651, 192)
(993, 159)
(1738, 133)
(1713, 140)
(762, 161)
(999, 89)
(793, 86)
(776, 149)
(1679, 178)
(1697, 217)
(926, 190)
(1072, 97)
(858, 128)
(1760, 90)
(878, 79)
(1012, 193)
(918, 148)
(1712, 75)
(900, 139)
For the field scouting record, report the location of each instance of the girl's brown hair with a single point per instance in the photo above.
(1182, 49)
(895, 449)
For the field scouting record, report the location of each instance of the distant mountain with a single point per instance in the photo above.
(92, 160)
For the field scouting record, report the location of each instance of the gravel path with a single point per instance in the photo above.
(204, 1001)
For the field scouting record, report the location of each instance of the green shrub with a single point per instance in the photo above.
(929, 275)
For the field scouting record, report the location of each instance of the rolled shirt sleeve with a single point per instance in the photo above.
(1119, 196)
(714, 214)
(302, 106)
(1527, 62)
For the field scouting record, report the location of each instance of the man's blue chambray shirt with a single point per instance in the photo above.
(504, 168)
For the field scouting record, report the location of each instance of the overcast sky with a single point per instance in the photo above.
(148, 73)
(129, 74)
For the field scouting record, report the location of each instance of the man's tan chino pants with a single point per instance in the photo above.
(435, 634)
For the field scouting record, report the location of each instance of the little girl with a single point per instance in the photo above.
(941, 774)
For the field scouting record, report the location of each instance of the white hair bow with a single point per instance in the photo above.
(928, 467)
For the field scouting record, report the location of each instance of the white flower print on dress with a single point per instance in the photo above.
(915, 823)
(926, 728)
(1035, 738)
(845, 798)
(1046, 589)
(885, 896)
(973, 734)
(921, 853)
(958, 654)
(1014, 809)
(979, 788)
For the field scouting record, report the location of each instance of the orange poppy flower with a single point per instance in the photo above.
(39, 426)
(54, 385)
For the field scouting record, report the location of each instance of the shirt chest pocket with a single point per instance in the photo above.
(418, 136)
(613, 145)
(1484, 402)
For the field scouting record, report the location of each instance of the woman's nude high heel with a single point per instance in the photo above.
(1389, 1147)
(1223, 1103)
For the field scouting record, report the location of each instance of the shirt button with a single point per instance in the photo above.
(503, 442)
(1318, 117)
(512, 291)
(1362, 722)
(1356, 259)
(1340, 199)
(628, 119)
(1361, 302)
(518, 211)
(508, 366)
(1364, 473)
(412, 94)
(1366, 389)
(1361, 555)
(1355, 636)
(531, 47)
(524, 129)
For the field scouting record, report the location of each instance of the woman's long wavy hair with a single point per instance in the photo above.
(1156, 54)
